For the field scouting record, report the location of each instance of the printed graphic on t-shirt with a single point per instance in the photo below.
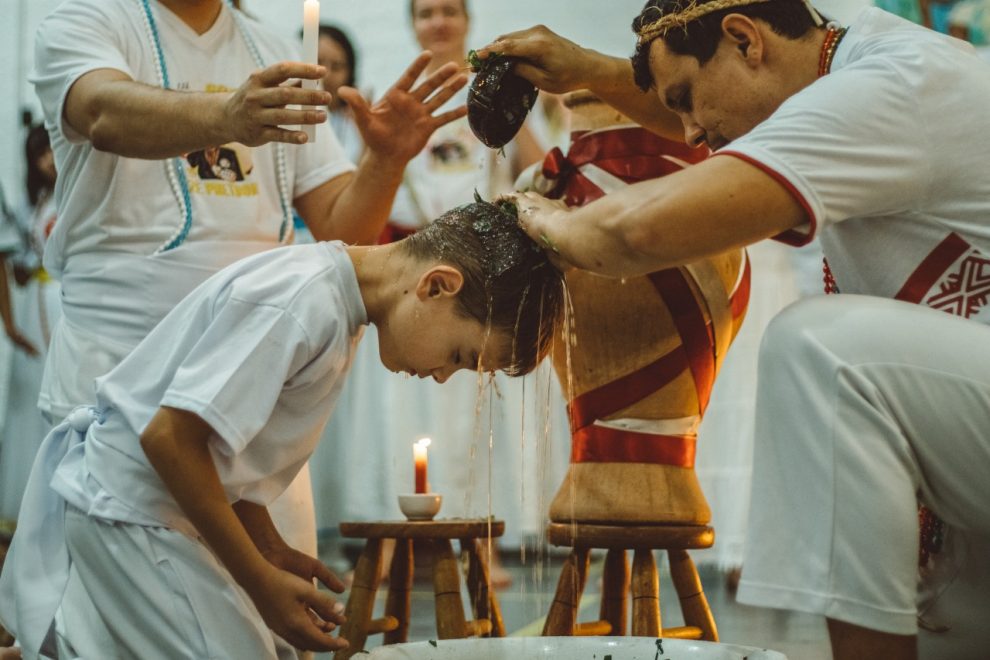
(953, 278)
(222, 171)
(450, 149)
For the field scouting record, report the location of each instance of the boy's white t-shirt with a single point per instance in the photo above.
(259, 352)
(883, 155)
(113, 203)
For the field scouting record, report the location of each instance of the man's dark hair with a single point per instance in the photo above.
(338, 35)
(510, 286)
(700, 38)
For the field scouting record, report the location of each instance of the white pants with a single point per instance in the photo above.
(153, 593)
(864, 406)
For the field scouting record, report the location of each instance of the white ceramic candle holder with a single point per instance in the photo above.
(420, 506)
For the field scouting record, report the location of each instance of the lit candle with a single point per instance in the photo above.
(419, 457)
(310, 47)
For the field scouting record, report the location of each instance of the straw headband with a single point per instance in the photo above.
(693, 10)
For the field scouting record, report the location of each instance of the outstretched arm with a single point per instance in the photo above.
(558, 65)
(7, 314)
(130, 118)
(176, 443)
(708, 208)
(354, 207)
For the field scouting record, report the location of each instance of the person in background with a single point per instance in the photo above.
(29, 312)
(336, 54)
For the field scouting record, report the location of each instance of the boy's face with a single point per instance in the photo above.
(427, 337)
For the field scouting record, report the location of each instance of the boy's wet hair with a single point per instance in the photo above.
(510, 286)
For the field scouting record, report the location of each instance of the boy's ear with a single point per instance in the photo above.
(440, 280)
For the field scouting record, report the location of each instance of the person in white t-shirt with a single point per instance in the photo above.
(168, 120)
(167, 549)
(868, 401)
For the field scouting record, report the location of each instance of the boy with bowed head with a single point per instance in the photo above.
(163, 483)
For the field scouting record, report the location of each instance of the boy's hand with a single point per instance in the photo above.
(297, 612)
(308, 568)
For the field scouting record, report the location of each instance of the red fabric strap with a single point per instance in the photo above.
(696, 337)
(392, 233)
(631, 154)
(932, 268)
(626, 390)
(600, 444)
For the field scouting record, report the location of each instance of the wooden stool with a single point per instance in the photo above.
(451, 623)
(645, 585)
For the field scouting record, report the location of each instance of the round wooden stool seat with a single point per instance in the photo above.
(423, 529)
(622, 537)
(436, 535)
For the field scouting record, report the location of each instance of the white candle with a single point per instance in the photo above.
(419, 461)
(311, 38)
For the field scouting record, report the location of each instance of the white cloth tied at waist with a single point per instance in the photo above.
(36, 570)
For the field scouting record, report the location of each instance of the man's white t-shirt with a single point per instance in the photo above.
(116, 212)
(259, 352)
(883, 155)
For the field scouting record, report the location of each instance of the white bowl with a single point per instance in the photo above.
(552, 648)
(420, 506)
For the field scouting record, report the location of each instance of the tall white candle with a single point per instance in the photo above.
(311, 38)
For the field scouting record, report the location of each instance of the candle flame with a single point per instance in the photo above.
(423, 442)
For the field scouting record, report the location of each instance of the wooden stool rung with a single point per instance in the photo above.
(478, 627)
(592, 629)
(384, 624)
(682, 632)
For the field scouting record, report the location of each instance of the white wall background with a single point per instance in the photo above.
(380, 28)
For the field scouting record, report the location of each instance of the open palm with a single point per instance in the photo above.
(399, 124)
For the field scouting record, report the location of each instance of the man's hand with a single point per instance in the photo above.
(543, 219)
(257, 110)
(552, 63)
(398, 125)
(297, 611)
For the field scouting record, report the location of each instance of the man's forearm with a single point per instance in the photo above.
(355, 212)
(611, 79)
(140, 121)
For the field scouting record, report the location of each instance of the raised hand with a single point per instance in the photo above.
(551, 62)
(399, 124)
(256, 111)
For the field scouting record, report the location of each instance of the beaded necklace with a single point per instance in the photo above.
(832, 38)
(175, 170)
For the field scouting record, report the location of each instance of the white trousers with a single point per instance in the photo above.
(156, 594)
(864, 407)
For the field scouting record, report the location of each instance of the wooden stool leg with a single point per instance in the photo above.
(361, 601)
(645, 595)
(563, 610)
(484, 602)
(447, 590)
(694, 605)
(615, 579)
(400, 581)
